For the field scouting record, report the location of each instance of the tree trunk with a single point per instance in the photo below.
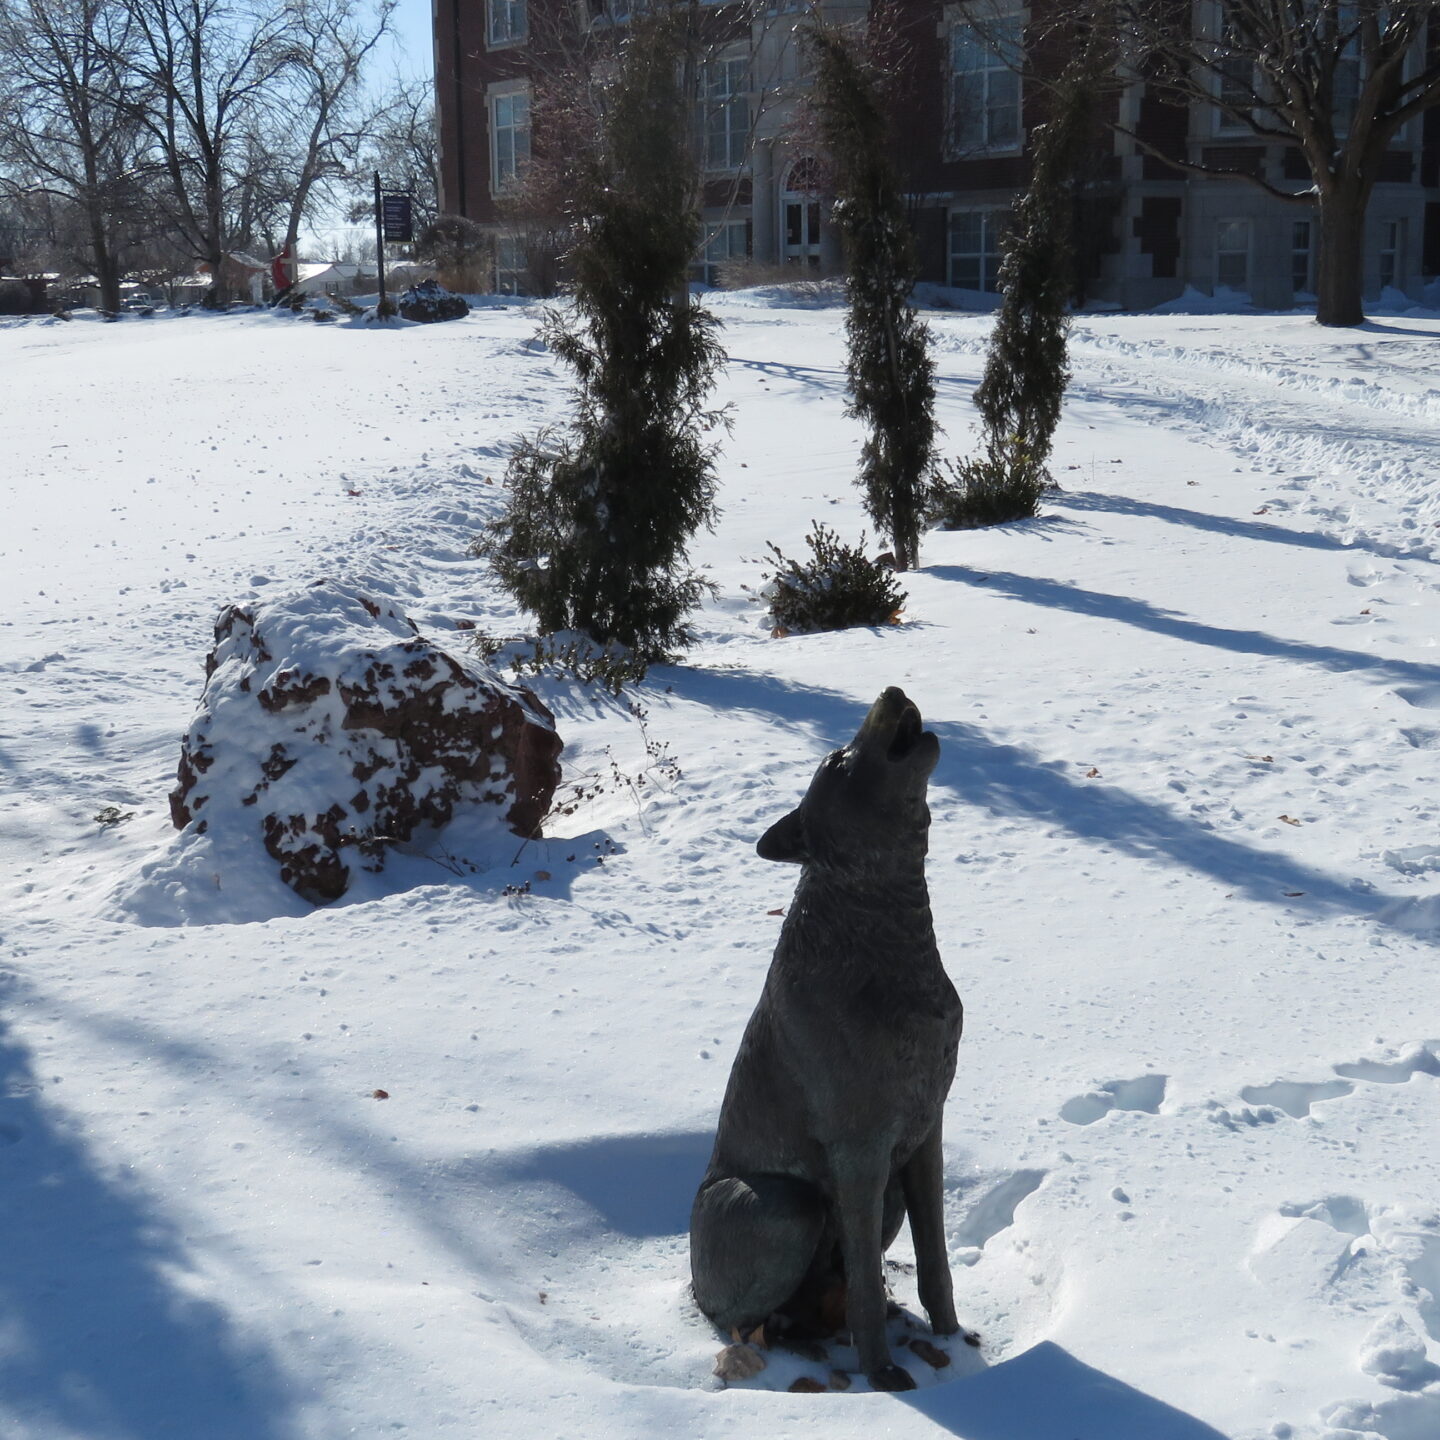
(107, 277)
(1340, 278)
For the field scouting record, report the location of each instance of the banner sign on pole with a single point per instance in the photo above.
(395, 219)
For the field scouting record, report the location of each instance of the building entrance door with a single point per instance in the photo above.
(800, 216)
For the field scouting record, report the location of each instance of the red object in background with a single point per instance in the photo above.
(280, 270)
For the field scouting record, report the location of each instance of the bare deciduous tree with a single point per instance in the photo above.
(1335, 80)
(402, 143)
(208, 69)
(67, 127)
(321, 109)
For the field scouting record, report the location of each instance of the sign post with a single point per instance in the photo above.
(383, 308)
(393, 225)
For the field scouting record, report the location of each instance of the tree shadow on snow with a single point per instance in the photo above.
(1099, 604)
(1224, 524)
(1047, 1394)
(1016, 782)
(100, 1340)
(639, 1185)
(827, 380)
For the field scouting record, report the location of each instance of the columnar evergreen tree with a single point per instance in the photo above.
(889, 368)
(1027, 368)
(599, 517)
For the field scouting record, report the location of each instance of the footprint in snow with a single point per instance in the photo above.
(1265, 1103)
(1145, 1093)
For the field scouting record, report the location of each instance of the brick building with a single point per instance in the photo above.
(963, 113)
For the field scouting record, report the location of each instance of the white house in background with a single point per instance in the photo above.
(331, 277)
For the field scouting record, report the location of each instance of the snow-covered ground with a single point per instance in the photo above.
(1185, 864)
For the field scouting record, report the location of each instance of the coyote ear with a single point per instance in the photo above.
(784, 840)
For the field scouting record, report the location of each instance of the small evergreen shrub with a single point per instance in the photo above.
(837, 588)
(462, 253)
(994, 488)
(429, 303)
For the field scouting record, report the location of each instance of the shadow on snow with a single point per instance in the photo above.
(1014, 781)
(99, 1339)
(1047, 1394)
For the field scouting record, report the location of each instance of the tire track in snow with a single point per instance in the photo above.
(1330, 439)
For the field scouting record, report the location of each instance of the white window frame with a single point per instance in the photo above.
(1249, 253)
(507, 23)
(725, 96)
(1393, 245)
(724, 240)
(993, 221)
(1308, 251)
(508, 156)
(985, 44)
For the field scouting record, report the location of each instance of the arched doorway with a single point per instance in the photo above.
(800, 215)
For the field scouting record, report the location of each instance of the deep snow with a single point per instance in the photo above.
(1183, 866)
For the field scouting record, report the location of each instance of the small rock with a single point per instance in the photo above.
(805, 1385)
(932, 1355)
(839, 1380)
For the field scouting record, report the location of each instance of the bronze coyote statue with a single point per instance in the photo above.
(829, 1133)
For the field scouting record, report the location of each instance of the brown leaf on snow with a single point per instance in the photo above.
(806, 1385)
(1289, 820)
(1092, 773)
(1293, 894)
(379, 1094)
(738, 1362)
(1264, 759)
(1263, 510)
(780, 911)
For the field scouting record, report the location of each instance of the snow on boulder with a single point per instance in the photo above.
(330, 729)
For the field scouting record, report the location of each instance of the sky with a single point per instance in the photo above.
(409, 54)
(415, 53)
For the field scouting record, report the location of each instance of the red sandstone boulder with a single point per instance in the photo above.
(332, 730)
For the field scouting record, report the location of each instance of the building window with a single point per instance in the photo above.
(1232, 255)
(975, 248)
(1235, 79)
(985, 86)
(1392, 236)
(727, 113)
(1302, 257)
(511, 263)
(509, 138)
(729, 240)
(507, 22)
